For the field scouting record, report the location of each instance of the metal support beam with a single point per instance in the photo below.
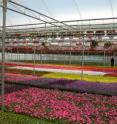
(43, 15)
(83, 49)
(3, 51)
(22, 13)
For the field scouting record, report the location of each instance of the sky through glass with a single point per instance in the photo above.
(64, 10)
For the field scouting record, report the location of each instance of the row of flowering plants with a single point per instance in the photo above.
(64, 84)
(107, 78)
(89, 78)
(111, 74)
(75, 108)
(12, 77)
(66, 67)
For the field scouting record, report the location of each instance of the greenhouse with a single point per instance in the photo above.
(58, 62)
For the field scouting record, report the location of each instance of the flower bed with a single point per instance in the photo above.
(90, 78)
(12, 77)
(74, 107)
(85, 68)
(91, 83)
(112, 74)
(9, 88)
(64, 84)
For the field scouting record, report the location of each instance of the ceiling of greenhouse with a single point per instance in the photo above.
(62, 10)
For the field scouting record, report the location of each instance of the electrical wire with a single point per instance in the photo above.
(49, 12)
(46, 6)
(78, 9)
(112, 11)
(79, 12)
(111, 5)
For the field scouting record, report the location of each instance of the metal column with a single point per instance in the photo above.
(3, 50)
(82, 58)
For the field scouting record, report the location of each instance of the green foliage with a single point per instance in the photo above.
(107, 45)
(11, 118)
(94, 44)
(13, 106)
